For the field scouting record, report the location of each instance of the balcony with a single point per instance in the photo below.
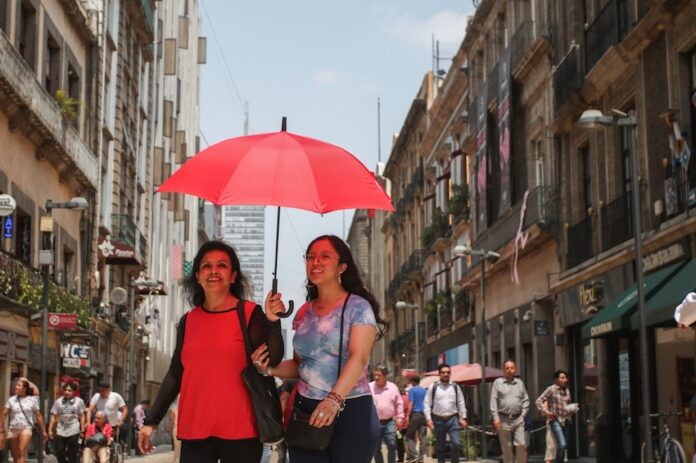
(412, 267)
(617, 220)
(569, 77)
(438, 229)
(608, 28)
(125, 230)
(22, 286)
(458, 206)
(38, 114)
(148, 14)
(542, 210)
(580, 242)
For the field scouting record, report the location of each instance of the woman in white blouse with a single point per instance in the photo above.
(23, 409)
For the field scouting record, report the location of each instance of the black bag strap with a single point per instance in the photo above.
(242, 324)
(22, 409)
(340, 338)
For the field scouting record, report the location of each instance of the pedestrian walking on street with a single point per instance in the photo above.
(509, 407)
(390, 411)
(445, 413)
(401, 429)
(111, 403)
(138, 420)
(335, 291)
(68, 422)
(23, 411)
(558, 409)
(416, 422)
(215, 416)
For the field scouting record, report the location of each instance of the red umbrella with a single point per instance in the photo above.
(279, 169)
(469, 374)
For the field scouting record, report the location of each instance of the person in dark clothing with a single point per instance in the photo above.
(209, 357)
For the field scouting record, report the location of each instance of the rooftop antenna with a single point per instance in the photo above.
(246, 117)
(379, 131)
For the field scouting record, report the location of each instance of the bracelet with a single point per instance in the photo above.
(338, 400)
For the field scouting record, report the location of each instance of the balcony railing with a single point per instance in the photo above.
(124, 229)
(617, 225)
(580, 242)
(678, 193)
(542, 210)
(17, 75)
(610, 24)
(568, 77)
(414, 264)
(23, 286)
(146, 6)
(438, 228)
(521, 42)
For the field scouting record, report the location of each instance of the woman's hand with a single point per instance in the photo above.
(144, 443)
(274, 306)
(261, 359)
(324, 414)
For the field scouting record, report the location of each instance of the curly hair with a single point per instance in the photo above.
(350, 279)
(194, 291)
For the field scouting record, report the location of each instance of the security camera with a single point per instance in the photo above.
(527, 316)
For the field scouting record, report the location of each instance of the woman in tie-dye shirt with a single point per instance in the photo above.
(333, 286)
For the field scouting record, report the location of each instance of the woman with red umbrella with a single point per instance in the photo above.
(215, 420)
(327, 392)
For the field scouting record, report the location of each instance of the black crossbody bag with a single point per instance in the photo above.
(300, 432)
(263, 392)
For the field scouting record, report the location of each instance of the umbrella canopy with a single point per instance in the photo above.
(464, 373)
(279, 169)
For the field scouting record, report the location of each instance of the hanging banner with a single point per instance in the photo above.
(504, 82)
(481, 159)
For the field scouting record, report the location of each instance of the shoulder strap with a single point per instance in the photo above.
(22, 409)
(340, 339)
(242, 324)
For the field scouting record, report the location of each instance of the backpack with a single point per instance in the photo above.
(456, 394)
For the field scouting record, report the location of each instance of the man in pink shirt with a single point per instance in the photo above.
(390, 411)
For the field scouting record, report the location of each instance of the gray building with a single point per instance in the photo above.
(243, 228)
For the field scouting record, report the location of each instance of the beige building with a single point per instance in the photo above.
(47, 156)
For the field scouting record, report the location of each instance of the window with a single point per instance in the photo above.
(26, 38)
(4, 14)
(52, 65)
(23, 236)
(626, 134)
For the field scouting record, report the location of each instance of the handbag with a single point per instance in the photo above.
(263, 392)
(300, 432)
(98, 438)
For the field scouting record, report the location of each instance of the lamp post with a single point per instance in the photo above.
(133, 284)
(46, 259)
(594, 119)
(491, 256)
(404, 305)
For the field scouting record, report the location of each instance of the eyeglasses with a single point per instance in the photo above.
(445, 372)
(324, 257)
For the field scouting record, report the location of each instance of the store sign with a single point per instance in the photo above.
(542, 327)
(62, 321)
(116, 252)
(7, 205)
(663, 257)
(7, 227)
(75, 355)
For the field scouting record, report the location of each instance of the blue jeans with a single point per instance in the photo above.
(387, 433)
(442, 428)
(560, 433)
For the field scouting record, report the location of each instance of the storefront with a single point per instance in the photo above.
(600, 319)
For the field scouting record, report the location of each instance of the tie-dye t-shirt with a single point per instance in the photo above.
(316, 343)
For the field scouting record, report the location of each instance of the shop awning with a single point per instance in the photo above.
(660, 307)
(616, 316)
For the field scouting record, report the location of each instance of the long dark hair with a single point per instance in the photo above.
(194, 291)
(350, 279)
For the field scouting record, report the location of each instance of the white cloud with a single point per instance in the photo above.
(330, 77)
(447, 26)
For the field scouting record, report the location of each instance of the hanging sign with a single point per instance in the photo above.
(7, 227)
(7, 205)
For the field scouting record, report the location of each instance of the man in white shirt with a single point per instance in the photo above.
(110, 403)
(445, 412)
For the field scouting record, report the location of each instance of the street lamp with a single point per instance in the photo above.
(46, 259)
(405, 305)
(594, 119)
(492, 257)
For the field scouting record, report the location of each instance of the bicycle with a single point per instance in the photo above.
(671, 450)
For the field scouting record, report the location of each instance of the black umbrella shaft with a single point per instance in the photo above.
(275, 265)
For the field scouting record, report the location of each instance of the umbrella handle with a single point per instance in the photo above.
(287, 313)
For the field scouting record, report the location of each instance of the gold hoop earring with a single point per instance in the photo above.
(339, 279)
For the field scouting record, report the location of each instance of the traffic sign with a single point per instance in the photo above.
(62, 321)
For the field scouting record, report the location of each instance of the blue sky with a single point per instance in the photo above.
(323, 65)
